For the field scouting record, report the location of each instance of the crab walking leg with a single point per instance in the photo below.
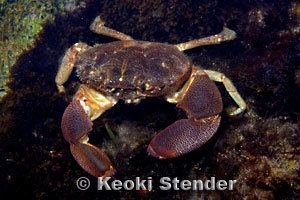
(98, 27)
(67, 64)
(219, 77)
(201, 100)
(87, 105)
(225, 35)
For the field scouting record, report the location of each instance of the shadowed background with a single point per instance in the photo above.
(259, 149)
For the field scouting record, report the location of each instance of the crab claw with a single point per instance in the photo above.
(92, 159)
(183, 136)
(76, 124)
(202, 102)
(75, 127)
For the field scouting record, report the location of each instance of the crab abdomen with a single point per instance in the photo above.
(132, 69)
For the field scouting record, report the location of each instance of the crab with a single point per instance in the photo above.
(131, 70)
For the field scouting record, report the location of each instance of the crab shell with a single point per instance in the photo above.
(132, 70)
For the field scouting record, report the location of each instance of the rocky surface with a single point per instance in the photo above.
(259, 149)
(21, 22)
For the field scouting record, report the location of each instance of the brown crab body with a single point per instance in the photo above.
(131, 70)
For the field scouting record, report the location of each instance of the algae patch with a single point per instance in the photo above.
(20, 24)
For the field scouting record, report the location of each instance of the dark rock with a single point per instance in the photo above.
(260, 148)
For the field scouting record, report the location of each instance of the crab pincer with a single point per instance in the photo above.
(76, 124)
(202, 102)
(131, 70)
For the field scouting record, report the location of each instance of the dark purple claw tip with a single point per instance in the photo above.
(151, 152)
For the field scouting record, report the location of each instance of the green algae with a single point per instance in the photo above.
(21, 22)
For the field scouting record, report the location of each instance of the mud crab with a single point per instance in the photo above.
(131, 70)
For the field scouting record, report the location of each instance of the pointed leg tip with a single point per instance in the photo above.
(233, 112)
(61, 89)
(229, 34)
